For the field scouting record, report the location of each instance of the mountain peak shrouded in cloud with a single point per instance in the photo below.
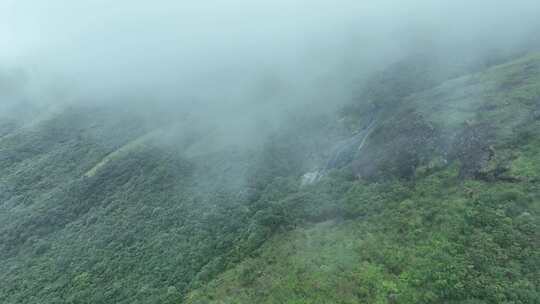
(236, 65)
(279, 151)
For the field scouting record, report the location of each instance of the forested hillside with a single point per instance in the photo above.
(423, 189)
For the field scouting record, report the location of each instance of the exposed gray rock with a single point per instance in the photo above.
(311, 177)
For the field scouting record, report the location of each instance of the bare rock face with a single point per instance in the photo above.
(473, 147)
(536, 113)
(397, 148)
(346, 150)
(311, 177)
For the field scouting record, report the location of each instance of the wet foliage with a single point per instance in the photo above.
(441, 205)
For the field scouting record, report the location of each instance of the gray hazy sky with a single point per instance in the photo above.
(225, 48)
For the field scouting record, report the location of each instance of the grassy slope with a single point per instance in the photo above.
(441, 239)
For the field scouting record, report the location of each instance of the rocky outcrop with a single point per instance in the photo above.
(345, 151)
(311, 177)
(473, 147)
(397, 147)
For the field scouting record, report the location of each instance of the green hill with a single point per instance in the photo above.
(432, 195)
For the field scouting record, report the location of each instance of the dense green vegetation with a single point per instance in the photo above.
(442, 204)
(439, 241)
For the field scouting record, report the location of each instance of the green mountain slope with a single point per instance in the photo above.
(460, 224)
(425, 194)
(99, 206)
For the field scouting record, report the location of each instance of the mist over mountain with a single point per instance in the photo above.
(269, 152)
(173, 52)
